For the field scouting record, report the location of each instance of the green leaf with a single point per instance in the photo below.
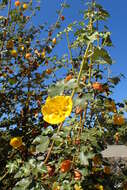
(102, 14)
(25, 170)
(32, 163)
(42, 147)
(37, 140)
(4, 2)
(93, 37)
(39, 168)
(19, 174)
(101, 54)
(56, 89)
(57, 138)
(83, 159)
(84, 172)
(37, 187)
(12, 81)
(60, 86)
(114, 80)
(106, 40)
(42, 168)
(23, 184)
(17, 188)
(12, 167)
(71, 84)
(65, 5)
(82, 101)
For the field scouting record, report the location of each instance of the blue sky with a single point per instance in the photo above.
(116, 23)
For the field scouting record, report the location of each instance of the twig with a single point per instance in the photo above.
(70, 52)
(91, 47)
(83, 62)
(4, 176)
(51, 147)
(6, 24)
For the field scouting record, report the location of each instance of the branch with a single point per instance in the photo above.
(51, 147)
(6, 23)
(70, 52)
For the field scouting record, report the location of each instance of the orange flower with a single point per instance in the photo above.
(65, 166)
(16, 142)
(54, 41)
(118, 119)
(62, 17)
(97, 86)
(77, 175)
(17, 3)
(48, 71)
(68, 77)
(28, 55)
(107, 170)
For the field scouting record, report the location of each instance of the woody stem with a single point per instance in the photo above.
(51, 147)
(81, 67)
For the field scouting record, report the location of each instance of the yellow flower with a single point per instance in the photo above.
(43, 54)
(56, 109)
(21, 48)
(77, 187)
(119, 119)
(55, 186)
(99, 187)
(25, 6)
(14, 53)
(16, 142)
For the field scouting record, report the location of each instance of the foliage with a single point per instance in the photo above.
(51, 156)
